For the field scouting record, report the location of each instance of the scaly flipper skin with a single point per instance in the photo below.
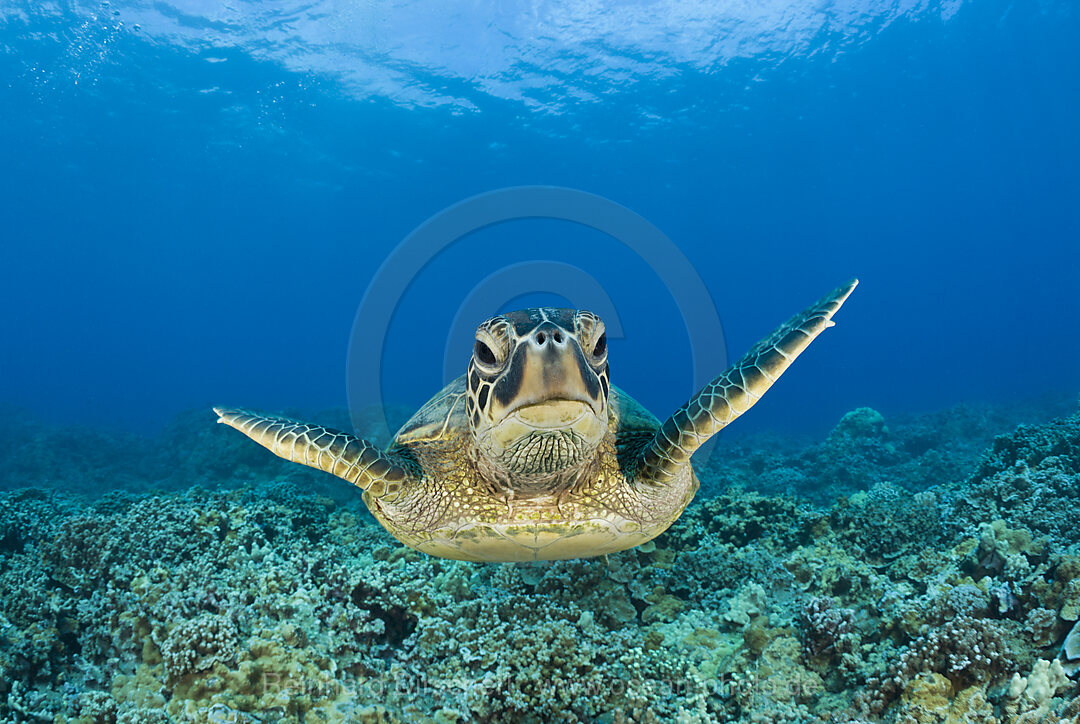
(346, 456)
(735, 391)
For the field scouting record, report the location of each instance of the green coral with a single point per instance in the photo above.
(271, 603)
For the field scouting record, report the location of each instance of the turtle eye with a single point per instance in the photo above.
(484, 355)
(600, 347)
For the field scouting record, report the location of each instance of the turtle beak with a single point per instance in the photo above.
(547, 410)
(557, 386)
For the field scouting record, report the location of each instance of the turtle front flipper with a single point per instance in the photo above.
(735, 391)
(338, 453)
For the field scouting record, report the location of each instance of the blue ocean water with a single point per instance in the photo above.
(306, 207)
(194, 197)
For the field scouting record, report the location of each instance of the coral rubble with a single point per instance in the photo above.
(918, 594)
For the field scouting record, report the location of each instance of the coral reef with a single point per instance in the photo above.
(1070, 651)
(915, 452)
(826, 629)
(261, 594)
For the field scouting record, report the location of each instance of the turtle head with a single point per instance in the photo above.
(538, 395)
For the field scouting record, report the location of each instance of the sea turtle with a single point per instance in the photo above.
(533, 454)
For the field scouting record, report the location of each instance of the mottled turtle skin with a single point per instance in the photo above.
(533, 454)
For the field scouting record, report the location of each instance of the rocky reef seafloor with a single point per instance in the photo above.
(910, 571)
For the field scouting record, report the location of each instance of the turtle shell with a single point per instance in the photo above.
(444, 415)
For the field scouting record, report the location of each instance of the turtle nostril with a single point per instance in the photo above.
(557, 336)
(540, 338)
